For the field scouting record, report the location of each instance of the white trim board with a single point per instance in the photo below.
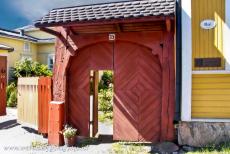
(212, 72)
(226, 35)
(186, 60)
(210, 120)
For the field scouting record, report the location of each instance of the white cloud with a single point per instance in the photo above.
(34, 9)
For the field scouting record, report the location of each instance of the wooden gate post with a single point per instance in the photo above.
(168, 88)
(95, 102)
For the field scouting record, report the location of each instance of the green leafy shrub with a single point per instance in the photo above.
(106, 80)
(28, 68)
(11, 87)
(105, 97)
(11, 91)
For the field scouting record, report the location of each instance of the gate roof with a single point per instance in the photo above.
(107, 12)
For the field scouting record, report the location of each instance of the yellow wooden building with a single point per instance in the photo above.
(205, 44)
(28, 42)
(206, 60)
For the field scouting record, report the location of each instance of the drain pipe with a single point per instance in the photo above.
(178, 60)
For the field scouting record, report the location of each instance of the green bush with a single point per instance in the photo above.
(28, 68)
(106, 80)
(11, 91)
(25, 68)
(105, 97)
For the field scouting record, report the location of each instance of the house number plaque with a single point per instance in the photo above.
(208, 24)
(112, 37)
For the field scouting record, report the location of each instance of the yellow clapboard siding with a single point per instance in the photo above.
(211, 109)
(211, 96)
(211, 86)
(208, 43)
(211, 80)
(211, 115)
(213, 103)
(211, 91)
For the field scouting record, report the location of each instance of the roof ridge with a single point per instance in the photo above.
(107, 11)
(95, 4)
(7, 30)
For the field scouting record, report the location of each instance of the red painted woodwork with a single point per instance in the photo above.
(3, 80)
(95, 57)
(44, 98)
(153, 111)
(95, 102)
(56, 123)
(138, 90)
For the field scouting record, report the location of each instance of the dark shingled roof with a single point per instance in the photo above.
(117, 10)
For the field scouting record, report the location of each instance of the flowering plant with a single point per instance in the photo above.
(69, 131)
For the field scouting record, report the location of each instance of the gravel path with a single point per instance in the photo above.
(17, 139)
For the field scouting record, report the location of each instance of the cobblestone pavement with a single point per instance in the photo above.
(17, 139)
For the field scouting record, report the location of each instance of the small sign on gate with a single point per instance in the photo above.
(112, 37)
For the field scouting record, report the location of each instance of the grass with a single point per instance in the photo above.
(223, 148)
(128, 148)
(38, 144)
(105, 117)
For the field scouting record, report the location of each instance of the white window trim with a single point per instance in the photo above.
(27, 51)
(212, 72)
(186, 60)
(48, 62)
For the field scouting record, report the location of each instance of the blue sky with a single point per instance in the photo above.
(18, 13)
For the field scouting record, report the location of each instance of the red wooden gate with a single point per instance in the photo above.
(3, 81)
(44, 98)
(143, 72)
(138, 90)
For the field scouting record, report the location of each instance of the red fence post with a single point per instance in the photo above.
(44, 98)
(56, 123)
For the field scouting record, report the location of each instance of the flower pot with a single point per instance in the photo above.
(69, 142)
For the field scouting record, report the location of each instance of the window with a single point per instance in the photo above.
(27, 47)
(23, 57)
(51, 61)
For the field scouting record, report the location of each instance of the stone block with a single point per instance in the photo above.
(200, 134)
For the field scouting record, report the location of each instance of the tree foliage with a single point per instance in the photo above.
(28, 68)
(11, 92)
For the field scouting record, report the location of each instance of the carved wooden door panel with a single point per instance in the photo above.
(3, 82)
(137, 93)
(94, 57)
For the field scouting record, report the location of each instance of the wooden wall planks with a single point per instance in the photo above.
(208, 43)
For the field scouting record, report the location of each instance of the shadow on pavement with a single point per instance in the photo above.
(105, 138)
(9, 124)
(30, 130)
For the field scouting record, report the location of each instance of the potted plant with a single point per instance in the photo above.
(69, 134)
